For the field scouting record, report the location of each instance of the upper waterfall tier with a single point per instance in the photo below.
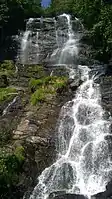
(44, 39)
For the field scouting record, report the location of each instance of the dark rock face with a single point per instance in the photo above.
(67, 196)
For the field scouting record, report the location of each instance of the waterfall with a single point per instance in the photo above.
(29, 45)
(84, 162)
(70, 49)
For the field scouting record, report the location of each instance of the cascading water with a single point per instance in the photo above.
(70, 49)
(29, 45)
(24, 45)
(84, 163)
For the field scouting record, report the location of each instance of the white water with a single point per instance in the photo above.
(5, 111)
(83, 165)
(29, 44)
(25, 39)
(24, 46)
(70, 48)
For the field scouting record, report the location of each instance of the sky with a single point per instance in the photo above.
(45, 3)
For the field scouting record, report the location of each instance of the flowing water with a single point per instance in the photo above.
(84, 163)
(29, 45)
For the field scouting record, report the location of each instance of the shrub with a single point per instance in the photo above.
(60, 82)
(34, 83)
(10, 166)
(45, 87)
(7, 93)
(41, 95)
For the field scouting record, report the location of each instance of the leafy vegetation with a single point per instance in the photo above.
(7, 68)
(15, 11)
(7, 93)
(35, 70)
(45, 87)
(10, 167)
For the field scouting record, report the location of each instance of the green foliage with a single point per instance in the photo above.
(7, 93)
(97, 18)
(3, 12)
(7, 68)
(59, 7)
(10, 166)
(46, 87)
(4, 135)
(35, 70)
(19, 153)
(15, 12)
(34, 83)
(7, 64)
(60, 82)
(40, 95)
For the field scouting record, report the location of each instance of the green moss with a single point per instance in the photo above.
(7, 93)
(7, 68)
(45, 87)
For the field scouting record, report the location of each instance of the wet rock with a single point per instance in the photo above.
(68, 196)
(37, 140)
(25, 129)
(74, 84)
(106, 92)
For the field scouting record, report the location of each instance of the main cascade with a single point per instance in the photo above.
(84, 163)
